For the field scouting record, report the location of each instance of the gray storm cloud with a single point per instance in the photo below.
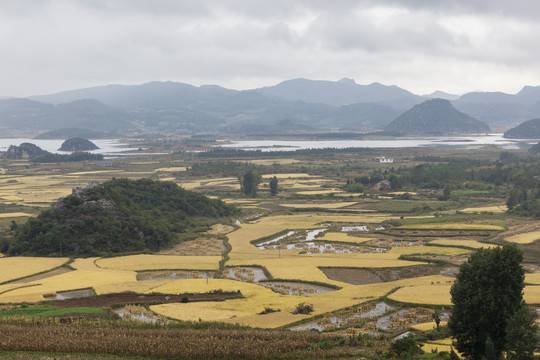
(421, 45)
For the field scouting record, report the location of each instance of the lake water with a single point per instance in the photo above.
(109, 147)
(464, 142)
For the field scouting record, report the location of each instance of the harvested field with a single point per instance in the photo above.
(295, 288)
(344, 237)
(347, 317)
(220, 229)
(198, 247)
(173, 274)
(111, 300)
(245, 273)
(361, 276)
(404, 318)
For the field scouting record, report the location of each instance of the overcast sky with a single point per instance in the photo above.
(420, 45)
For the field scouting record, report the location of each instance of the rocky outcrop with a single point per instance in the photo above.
(24, 151)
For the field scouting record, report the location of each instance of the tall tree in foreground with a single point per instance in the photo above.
(522, 335)
(274, 186)
(249, 182)
(487, 294)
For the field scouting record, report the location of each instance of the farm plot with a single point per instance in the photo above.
(472, 244)
(19, 267)
(319, 192)
(435, 294)
(497, 209)
(427, 250)
(525, 238)
(450, 226)
(336, 205)
(160, 262)
(246, 311)
(240, 239)
(170, 169)
(84, 277)
(16, 214)
(439, 294)
(427, 326)
(345, 237)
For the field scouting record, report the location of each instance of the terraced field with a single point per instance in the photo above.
(370, 248)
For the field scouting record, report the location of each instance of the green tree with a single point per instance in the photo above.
(522, 335)
(513, 199)
(249, 182)
(274, 186)
(486, 294)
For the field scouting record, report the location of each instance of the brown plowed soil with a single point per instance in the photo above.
(361, 276)
(122, 299)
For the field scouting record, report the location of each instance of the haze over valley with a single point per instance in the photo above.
(298, 106)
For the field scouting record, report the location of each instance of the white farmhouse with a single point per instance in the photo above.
(385, 160)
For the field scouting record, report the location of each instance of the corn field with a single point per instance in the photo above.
(54, 337)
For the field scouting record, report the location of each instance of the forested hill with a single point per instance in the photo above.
(118, 216)
(528, 130)
(436, 117)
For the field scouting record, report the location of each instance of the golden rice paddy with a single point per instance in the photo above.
(402, 192)
(430, 347)
(489, 209)
(432, 250)
(472, 244)
(160, 262)
(532, 278)
(427, 326)
(171, 169)
(107, 275)
(19, 267)
(531, 294)
(95, 172)
(525, 238)
(16, 214)
(450, 226)
(436, 294)
(335, 205)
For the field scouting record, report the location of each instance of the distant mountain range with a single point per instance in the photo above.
(293, 106)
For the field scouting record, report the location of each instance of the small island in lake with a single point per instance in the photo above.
(78, 144)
